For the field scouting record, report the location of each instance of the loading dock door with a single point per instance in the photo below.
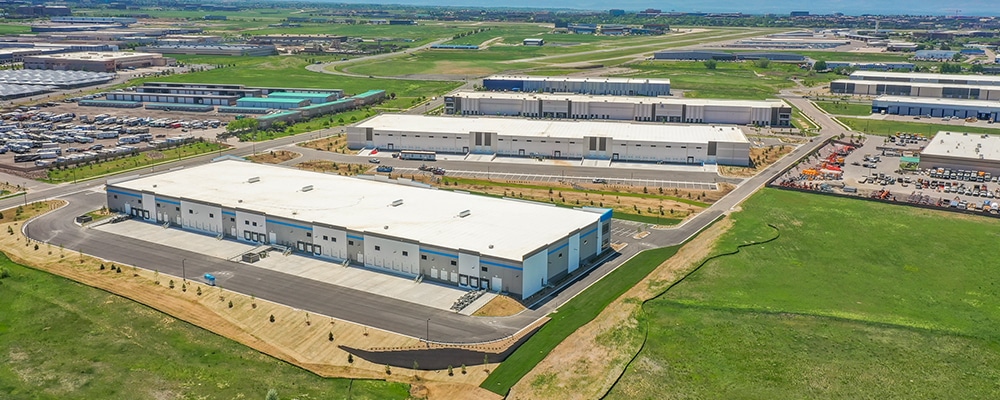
(497, 283)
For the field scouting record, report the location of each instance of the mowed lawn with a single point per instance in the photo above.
(854, 300)
(63, 340)
(729, 80)
(841, 108)
(885, 128)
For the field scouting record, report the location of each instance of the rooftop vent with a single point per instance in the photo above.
(464, 214)
(254, 179)
(307, 188)
(397, 203)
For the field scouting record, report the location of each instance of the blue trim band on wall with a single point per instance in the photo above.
(501, 265)
(271, 221)
(355, 237)
(124, 193)
(229, 213)
(439, 253)
(558, 248)
(606, 216)
(176, 203)
(588, 233)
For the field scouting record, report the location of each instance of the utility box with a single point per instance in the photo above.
(251, 257)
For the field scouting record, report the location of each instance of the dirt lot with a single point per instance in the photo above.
(500, 306)
(296, 336)
(336, 143)
(762, 158)
(585, 364)
(274, 157)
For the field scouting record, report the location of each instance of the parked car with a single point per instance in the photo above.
(373, 160)
(600, 180)
(384, 168)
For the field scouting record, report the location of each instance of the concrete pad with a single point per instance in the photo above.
(178, 239)
(480, 157)
(355, 277)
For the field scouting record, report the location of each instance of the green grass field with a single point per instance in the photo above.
(144, 159)
(14, 29)
(63, 340)
(289, 71)
(572, 315)
(854, 300)
(729, 80)
(881, 127)
(838, 108)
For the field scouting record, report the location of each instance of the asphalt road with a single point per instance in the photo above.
(348, 304)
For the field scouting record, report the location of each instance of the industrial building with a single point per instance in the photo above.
(313, 98)
(914, 89)
(599, 85)
(124, 21)
(658, 109)
(533, 42)
(702, 55)
(936, 107)
(58, 79)
(450, 238)
(212, 49)
(979, 80)
(962, 151)
(174, 98)
(267, 102)
(870, 66)
(786, 43)
(616, 141)
(95, 61)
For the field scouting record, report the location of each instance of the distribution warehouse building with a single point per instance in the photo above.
(978, 80)
(743, 112)
(914, 89)
(979, 109)
(965, 151)
(458, 239)
(688, 144)
(569, 84)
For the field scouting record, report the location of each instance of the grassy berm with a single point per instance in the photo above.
(854, 300)
(63, 340)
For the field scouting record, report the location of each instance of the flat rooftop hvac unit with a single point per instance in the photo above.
(307, 188)
(254, 179)
(397, 203)
(464, 214)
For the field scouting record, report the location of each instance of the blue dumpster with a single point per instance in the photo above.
(210, 279)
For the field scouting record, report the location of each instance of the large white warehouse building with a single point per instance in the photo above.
(977, 80)
(457, 239)
(935, 107)
(965, 151)
(689, 144)
(914, 89)
(743, 112)
(572, 84)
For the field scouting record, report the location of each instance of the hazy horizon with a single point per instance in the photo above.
(848, 7)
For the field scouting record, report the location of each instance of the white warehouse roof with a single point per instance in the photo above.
(920, 76)
(964, 145)
(579, 79)
(621, 99)
(507, 229)
(941, 102)
(557, 129)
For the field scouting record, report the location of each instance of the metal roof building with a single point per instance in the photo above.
(937, 107)
(915, 89)
(966, 151)
(459, 239)
(653, 109)
(617, 141)
(979, 80)
(267, 102)
(597, 85)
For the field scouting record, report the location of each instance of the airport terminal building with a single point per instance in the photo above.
(656, 109)
(451, 238)
(962, 151)
(569, 84)
(616, 141)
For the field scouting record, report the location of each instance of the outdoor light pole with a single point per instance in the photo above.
(427, 336)
(184, 269)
